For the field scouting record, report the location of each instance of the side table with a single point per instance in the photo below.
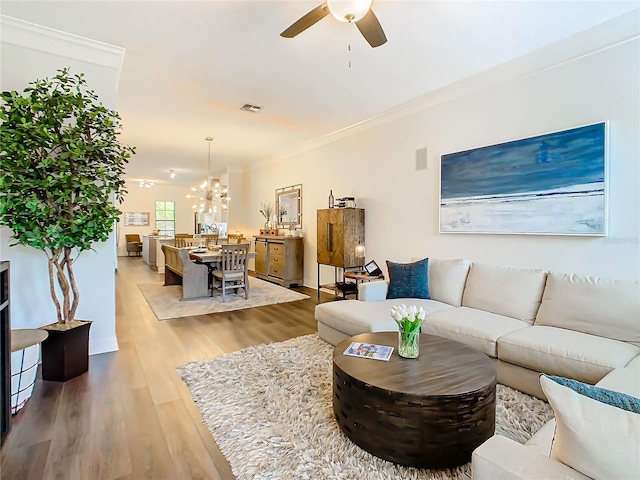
(25, 353)
(361, 277)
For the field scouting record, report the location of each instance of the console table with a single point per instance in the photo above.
(279, 259)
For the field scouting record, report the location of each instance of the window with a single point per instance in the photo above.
(166, 218)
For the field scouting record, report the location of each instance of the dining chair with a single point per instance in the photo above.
(233, 272)
(235, 237)
(211, 238)
(134, 244)
(181, 239)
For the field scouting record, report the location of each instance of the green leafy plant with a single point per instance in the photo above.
(62, 168)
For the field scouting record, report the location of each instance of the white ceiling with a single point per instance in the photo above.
(189, 66)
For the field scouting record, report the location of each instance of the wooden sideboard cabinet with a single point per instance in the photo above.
(280, 259)
(339, 231)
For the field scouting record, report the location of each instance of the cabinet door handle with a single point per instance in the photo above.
(329, 245)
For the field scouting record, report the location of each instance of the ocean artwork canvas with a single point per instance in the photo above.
(552, 184)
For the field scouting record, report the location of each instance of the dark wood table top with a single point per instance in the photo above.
(443, 368)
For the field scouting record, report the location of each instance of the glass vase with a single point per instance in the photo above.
(409, 343)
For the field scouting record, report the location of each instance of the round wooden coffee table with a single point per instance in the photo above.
(428, 412)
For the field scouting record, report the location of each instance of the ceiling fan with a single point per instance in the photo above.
(358, 11)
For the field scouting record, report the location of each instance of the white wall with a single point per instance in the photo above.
(140, 199)
(376, 164)
(30, 52)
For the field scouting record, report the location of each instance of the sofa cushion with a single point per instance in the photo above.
(408, 280)
(476, 328)
(354, 317)
(606, 308)
(592, 437)
(625, 380)
(557, 351)
(447, 279)
(512, 292)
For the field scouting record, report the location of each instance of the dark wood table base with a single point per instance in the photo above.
(408, 428)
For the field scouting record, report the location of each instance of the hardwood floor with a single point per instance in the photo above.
(131, 417)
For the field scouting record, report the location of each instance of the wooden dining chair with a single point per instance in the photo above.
(211, 238)
(235, 237)
(233, 272)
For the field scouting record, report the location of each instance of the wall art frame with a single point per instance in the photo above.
(550, 184)
(136, 219)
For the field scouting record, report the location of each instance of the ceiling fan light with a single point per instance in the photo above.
(349, 10)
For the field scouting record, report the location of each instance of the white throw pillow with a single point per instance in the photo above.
(594, 438)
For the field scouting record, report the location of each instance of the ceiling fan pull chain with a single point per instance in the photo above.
(349, 45)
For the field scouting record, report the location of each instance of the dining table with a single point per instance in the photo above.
(212, 259)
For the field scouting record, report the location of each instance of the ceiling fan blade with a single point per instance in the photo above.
(306, 21)
(371, 29)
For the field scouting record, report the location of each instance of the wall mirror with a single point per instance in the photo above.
(289, 206)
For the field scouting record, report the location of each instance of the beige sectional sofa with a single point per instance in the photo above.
(528, 322)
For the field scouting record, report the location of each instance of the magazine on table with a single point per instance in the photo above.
(368, 350)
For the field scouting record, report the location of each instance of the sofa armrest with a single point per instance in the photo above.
(373, 291)
(501, 458)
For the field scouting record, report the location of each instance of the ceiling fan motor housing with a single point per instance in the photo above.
(349, 10)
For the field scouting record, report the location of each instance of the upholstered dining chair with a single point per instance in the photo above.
(134, 244)
(233, 272)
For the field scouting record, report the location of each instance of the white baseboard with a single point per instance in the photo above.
(103, 345)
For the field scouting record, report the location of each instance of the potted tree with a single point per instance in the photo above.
(62, 169)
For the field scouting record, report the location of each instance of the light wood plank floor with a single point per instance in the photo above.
(131, 417)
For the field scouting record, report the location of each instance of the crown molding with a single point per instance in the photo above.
(47, 40)
(607, 35)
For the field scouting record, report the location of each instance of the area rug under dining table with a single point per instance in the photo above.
(269, 408)
(166, 301)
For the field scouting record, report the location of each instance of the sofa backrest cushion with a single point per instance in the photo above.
(606, 308)
(447, 279)
(512, 292)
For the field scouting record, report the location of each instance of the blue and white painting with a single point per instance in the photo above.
(550, 184)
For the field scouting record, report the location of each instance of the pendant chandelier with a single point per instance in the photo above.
(210, 194)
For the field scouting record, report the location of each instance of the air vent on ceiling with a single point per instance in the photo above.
(251, 108)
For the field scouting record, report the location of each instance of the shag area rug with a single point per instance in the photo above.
(269, 408)
(166, 301)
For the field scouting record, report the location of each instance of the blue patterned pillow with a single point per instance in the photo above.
(609, 397)
(408, 280)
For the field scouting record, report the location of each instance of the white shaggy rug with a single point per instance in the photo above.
(269, 409)
(166, 302)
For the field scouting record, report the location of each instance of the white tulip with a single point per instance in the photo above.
(421, 313)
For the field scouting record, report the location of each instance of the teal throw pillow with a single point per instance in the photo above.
(408, 280)
(602, 395)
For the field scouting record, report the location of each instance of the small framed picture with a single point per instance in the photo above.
(136, 218)
(372, 268)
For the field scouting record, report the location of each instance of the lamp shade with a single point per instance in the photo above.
(360, 251)
(349, 10)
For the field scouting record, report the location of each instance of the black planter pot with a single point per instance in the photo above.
(65, 353)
